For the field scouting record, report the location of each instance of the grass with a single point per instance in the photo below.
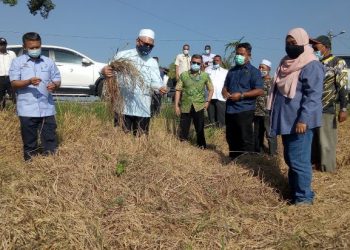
(169, 194)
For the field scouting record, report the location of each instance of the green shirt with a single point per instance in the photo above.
(193, 90)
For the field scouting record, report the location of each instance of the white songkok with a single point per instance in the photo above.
(266, 62)
(147, 32)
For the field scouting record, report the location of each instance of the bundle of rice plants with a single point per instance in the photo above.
(126, 75)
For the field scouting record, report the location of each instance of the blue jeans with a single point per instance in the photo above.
(297, 154)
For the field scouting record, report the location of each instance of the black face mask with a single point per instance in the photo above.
(293, 51)
(144, 50)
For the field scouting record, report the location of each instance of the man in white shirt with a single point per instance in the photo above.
(217, 105)
(6, 57)
(207, 56)
(137, 101)
(183, 61)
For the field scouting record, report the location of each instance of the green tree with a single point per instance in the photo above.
(42, 6)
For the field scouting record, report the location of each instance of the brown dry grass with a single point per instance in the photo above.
(171, 195)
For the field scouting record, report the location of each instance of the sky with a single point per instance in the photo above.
(98, 28)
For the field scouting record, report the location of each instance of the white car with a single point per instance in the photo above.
(80, 74)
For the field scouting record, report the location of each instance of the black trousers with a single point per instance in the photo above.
(198, 121)
(156, 104)
(216, 112)
(239, 132)
(259, 133)
(135, 124)
(32, 128)
(262, 128)
(5, 87)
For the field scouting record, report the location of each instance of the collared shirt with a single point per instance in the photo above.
(5, 62)
(261, 101)
(242, 79)
(137, 100)
(193, 90)
(208, 58)
(34, 101)
(184, 62)
(305, 107)
(217, 77)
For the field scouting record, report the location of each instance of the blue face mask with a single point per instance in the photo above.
(195, 67)
(239, 59)
(319, 55)
(34, 53)
(216, 66)
(144, 50)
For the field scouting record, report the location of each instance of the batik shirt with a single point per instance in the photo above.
(260, 109)
(334, 83)
(193, 90)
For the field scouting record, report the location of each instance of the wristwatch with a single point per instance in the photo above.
(344, 110)
(242, 96)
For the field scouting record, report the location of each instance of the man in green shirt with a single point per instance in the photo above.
(191, 90)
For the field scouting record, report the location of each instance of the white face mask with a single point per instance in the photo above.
(207, 51)
(185, 51)
(264, 73)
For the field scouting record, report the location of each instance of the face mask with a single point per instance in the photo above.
(216, 66)
(319, 55)
(185, 51)
(239, 59)
(34, 53)
(207, 51)
(144, 50)
(294, 51)
(195, 67)
(264, 73)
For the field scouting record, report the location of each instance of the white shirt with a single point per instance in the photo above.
(137, 101)
(217, 77)
(5, 62)
(183, 62)
(208, 58)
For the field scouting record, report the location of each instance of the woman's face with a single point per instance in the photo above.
(290, 40)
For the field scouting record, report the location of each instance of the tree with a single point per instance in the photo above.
(230, 52)
(35, 6)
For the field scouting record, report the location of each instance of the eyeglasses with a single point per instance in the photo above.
(198, 63)
(146, 44)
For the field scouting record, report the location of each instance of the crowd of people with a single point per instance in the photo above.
(298, 102)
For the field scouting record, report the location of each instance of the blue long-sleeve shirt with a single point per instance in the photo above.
(305, 107)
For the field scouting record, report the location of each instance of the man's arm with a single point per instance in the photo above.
(18, 84)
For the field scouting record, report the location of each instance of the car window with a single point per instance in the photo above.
(45, 52)
(16, 50)
(64, 56)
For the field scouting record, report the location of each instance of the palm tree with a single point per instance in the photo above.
(230, 52)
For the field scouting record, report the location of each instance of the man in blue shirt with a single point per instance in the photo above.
(34, 77)
(242, 85)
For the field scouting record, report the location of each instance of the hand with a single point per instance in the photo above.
(51, 87)
(163, 90)
(342, 116)
(300, 128)
(206, 105)
(235, 96)
(35, 81)
(107, 71)
(177, 110)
